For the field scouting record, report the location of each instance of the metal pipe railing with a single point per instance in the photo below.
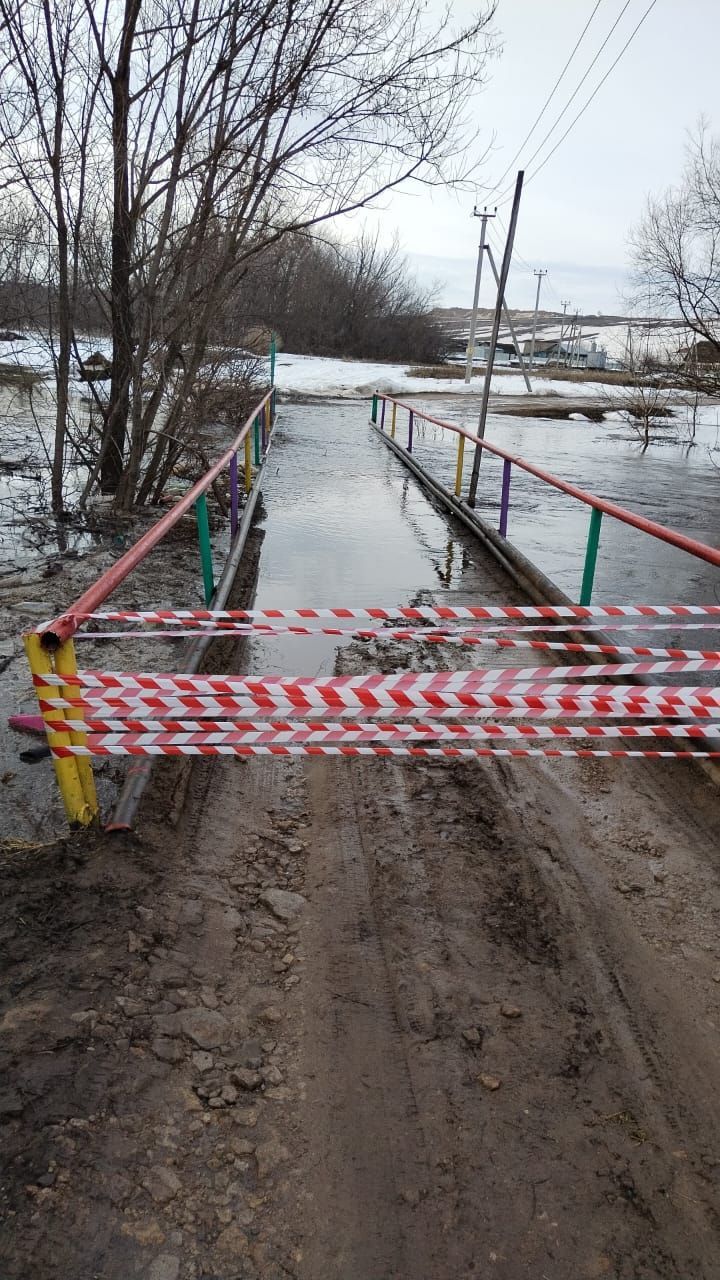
(65, 626)
(599, 506)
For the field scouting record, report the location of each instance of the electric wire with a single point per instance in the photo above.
(504, 194)
(595, 91)
(548, 100)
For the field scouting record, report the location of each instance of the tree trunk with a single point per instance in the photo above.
(121, 318)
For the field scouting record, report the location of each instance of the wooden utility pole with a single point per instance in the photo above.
(539, 275)
(509, 323)
(504, 273)
(476, 297)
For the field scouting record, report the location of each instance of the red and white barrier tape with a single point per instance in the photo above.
(426, 612)
(318, 731)
(403, 686)
(452, 753)
(111, 708)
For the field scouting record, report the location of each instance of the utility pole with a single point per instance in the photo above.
(577, 344)
(504, 273)
(539, 275)
(476, 297)
(509, 322)
(571, 342)
(565, 304)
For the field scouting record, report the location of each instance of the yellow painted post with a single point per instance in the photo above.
(65, 665)
(392, 423)
(248, 464)
(66, 771)
(459, 470)
(268, 418)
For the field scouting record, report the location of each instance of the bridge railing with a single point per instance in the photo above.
(387, 407)
(50, 649)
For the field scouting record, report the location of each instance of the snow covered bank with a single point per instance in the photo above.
(356, 379)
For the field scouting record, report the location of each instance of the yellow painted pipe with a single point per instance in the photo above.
(66, 771)
(392, 424)
(65, 665)
(248, 464)
(459, 470)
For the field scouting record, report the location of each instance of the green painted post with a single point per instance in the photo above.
(256, 438)
(203, 528)
(591, 552)
(373, 411)
(272, 359)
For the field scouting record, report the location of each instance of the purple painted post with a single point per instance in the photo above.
(410, 431)
(505, 498)
(233, 495)
(382, 415)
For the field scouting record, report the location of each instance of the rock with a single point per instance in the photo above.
(660, 875)
(246, 1079)
(167, 1050)
(131, 1008)
(242, 1147)
(489, 1082)
(246, 1117)
(229, 1095)
(135, 943)
(283, 904)
(205, 1027)
(472, 1035)
(272, 1075)
(510, 1011)
(270, 1014)
(202, 1061)
(162, 1184)
(250, 1054)
(232, 1242)
(209, 999)
(269, 1155)
(165, 1267)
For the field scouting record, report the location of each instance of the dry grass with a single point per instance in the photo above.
(446, 372)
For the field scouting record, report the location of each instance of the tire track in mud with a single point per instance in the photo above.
(368, 1160)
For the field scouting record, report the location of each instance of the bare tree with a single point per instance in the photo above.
(646, 402)
(676, 252)
(200, 132)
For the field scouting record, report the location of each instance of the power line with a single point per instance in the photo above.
(596, 90)
(548, 100)
(577, 89)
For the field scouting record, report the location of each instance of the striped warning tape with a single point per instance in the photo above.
(585, 705)
(426, 612)
(374, 733)
(408, 685)
(313, 730)
(110, 708)
(452, 753)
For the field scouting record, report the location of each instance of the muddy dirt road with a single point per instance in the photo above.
(370, 1020)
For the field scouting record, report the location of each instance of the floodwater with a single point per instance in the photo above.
(347, 525)
(674, 485)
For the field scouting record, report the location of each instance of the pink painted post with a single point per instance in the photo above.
(382, 415)
(233, 495)
(410, 431)
(505, 498)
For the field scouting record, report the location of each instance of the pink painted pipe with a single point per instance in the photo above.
(27, 724)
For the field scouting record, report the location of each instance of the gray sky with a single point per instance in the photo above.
(576, 215)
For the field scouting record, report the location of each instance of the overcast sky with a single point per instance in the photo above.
(576, 215)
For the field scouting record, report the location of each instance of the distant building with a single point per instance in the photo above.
(702, 351)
